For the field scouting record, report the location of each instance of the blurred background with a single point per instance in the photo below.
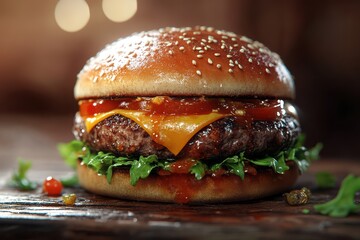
(318, 41)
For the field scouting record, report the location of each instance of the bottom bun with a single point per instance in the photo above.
(184, 188)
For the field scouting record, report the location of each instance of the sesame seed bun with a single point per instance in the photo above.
(184, 188)
(185, 62)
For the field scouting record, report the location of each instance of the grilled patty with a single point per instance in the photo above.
(223, 138)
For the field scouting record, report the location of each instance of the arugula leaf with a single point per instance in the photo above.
(234, 164)
(104, 163)
(278, 165)
(71, 151)
(325, 180)
(142, 168)
(70, 181)
(344, 202)
(19, 179)
(198, 170)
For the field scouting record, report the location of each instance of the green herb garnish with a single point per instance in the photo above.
(104, 163)
(344, 202)
(70, 181)
(325, 180)
(19, 179)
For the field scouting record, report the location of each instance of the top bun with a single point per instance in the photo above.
(185, 62)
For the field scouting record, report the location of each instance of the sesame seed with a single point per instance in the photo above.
(176, 43)
(205, 48)
(198, 72)
(171, 52)
(168, 44)
(193, 62)
(271, 65)
(181, 37)
(231, 64)
(230, 70)
(188, 42)
(224, 37)
(218, 66)
(239, 66)
(236, 45)
(233, 39)
(181, 48)
(210, 61)
(198, 48)
(246, 39)
(203, 40)
(196, 33)
(216, 54)
(267, 70)
(240, 112)
(222, 46)
(250, 46)
(199, 56)
(209, 29)
(201, 51)
(242, 50)
(228, 56)
(250, 60)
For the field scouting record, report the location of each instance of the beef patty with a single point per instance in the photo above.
(223, 138)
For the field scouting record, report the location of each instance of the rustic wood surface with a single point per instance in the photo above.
(32, 215)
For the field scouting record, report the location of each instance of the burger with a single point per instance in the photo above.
(186, 115)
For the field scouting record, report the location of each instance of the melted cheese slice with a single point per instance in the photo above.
(173, 132)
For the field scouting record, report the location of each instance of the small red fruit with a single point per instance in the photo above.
(52, 187)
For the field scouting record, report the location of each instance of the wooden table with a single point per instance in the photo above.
(29, 215)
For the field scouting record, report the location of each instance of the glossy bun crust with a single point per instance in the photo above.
(184, 188)
(185, 62)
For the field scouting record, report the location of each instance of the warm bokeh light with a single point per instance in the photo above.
(119, 10)
(72, 15)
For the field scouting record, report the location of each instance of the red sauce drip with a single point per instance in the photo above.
(182, 165)
(183, 186)
(254, 109)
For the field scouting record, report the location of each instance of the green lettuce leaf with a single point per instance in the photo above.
(344, 202)
(19, 179)
(198, 170)
(234, 164)
(325, 180)
(142, 168)
(104, 163)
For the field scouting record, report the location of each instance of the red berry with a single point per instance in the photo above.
(52, 187)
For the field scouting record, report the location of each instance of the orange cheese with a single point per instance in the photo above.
(173, 132)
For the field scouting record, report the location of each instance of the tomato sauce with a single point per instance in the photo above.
(182, 165)
(250, 109)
